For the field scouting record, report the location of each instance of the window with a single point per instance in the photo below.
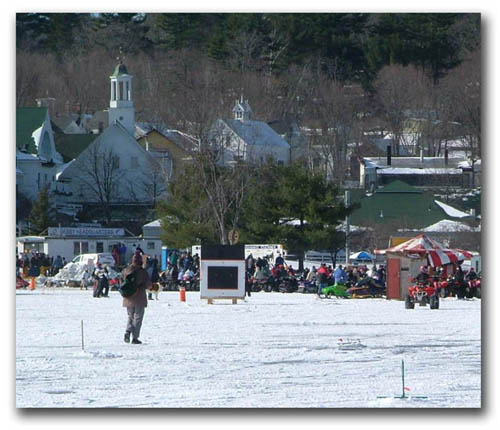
(134, 162)
(80, 248)
(151, 245)
(99, 247)
(121, 91)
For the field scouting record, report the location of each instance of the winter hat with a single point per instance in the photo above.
(137, 259)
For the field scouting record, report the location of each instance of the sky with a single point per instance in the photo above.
(491, 34)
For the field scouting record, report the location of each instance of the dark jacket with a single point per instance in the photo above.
(143, 283)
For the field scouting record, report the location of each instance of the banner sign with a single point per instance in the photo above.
(85, 232)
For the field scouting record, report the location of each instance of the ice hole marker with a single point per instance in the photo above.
(83, 349)
(404, 388)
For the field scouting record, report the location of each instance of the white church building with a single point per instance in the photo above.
(244, 139)
(114, 166)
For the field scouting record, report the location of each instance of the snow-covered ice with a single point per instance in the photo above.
(272, 350)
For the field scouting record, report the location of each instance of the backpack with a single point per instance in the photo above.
(129, 286)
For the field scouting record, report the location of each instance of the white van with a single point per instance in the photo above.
(93, 259)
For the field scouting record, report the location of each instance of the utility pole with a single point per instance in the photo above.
(347, 203)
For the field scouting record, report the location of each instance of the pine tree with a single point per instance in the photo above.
(41, 214)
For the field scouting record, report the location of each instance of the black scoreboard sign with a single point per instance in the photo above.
(222, 271)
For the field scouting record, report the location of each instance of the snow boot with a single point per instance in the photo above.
(126, 338)
(136, 341)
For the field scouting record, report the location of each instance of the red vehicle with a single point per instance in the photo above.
(423, 293)
(473, 288)
(21, 283)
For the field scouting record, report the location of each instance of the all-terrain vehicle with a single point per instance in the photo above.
(424, 294)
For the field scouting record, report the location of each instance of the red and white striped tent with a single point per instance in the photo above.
(422, 245)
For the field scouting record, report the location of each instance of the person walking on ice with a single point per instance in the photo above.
(137, 303)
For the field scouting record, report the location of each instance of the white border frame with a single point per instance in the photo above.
(238, 293)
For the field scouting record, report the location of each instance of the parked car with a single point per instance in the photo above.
(93, 259)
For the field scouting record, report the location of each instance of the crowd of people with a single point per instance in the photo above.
(261, 271)
(182, 268)
(34, 264)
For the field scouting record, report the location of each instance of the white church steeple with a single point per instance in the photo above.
(242, 110)
(121, 106)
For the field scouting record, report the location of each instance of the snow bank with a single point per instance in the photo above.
(75, 271)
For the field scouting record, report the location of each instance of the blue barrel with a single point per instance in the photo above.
(164, 258)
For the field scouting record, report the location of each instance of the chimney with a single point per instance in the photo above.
(446, 156)
(388, 155)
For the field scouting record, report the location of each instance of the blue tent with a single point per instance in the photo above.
(362, 256)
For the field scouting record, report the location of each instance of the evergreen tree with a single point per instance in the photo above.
(297, 208)
(42, 213)
(185, 217)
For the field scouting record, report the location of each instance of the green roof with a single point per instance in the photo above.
(28, 119)
(398, 186)
(71, 146)
(120, 69)
(397, 203)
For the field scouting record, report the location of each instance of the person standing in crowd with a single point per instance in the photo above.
(57, 265)
(322, 278)
(85, 279)
(26, 265)
(116, 254)
(101, 276)
(122, 251)
(173, 257)
(250, 264)
(279, 260)
(137, 303)
(340, 275)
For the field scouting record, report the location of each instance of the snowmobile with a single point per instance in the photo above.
(307, 287)
(337, 290)
(288, 284)
(423, 293)
(366, 287)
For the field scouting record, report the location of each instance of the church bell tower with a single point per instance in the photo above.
(121, 106)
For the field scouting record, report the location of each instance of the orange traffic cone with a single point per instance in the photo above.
(182, 294)
(32, 283)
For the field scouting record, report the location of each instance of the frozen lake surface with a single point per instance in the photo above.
(272, 350)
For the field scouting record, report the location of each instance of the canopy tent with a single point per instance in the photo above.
(362, 255)
(422, 245)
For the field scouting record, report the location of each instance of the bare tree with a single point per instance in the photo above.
(397, 92)
(100, 174)
(27, 79)
(155, 182)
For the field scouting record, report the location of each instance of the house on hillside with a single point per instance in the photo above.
(419, 171)
(244, 139)
(171, 148)
(291, 133)
(399, 205)
(37, 159)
